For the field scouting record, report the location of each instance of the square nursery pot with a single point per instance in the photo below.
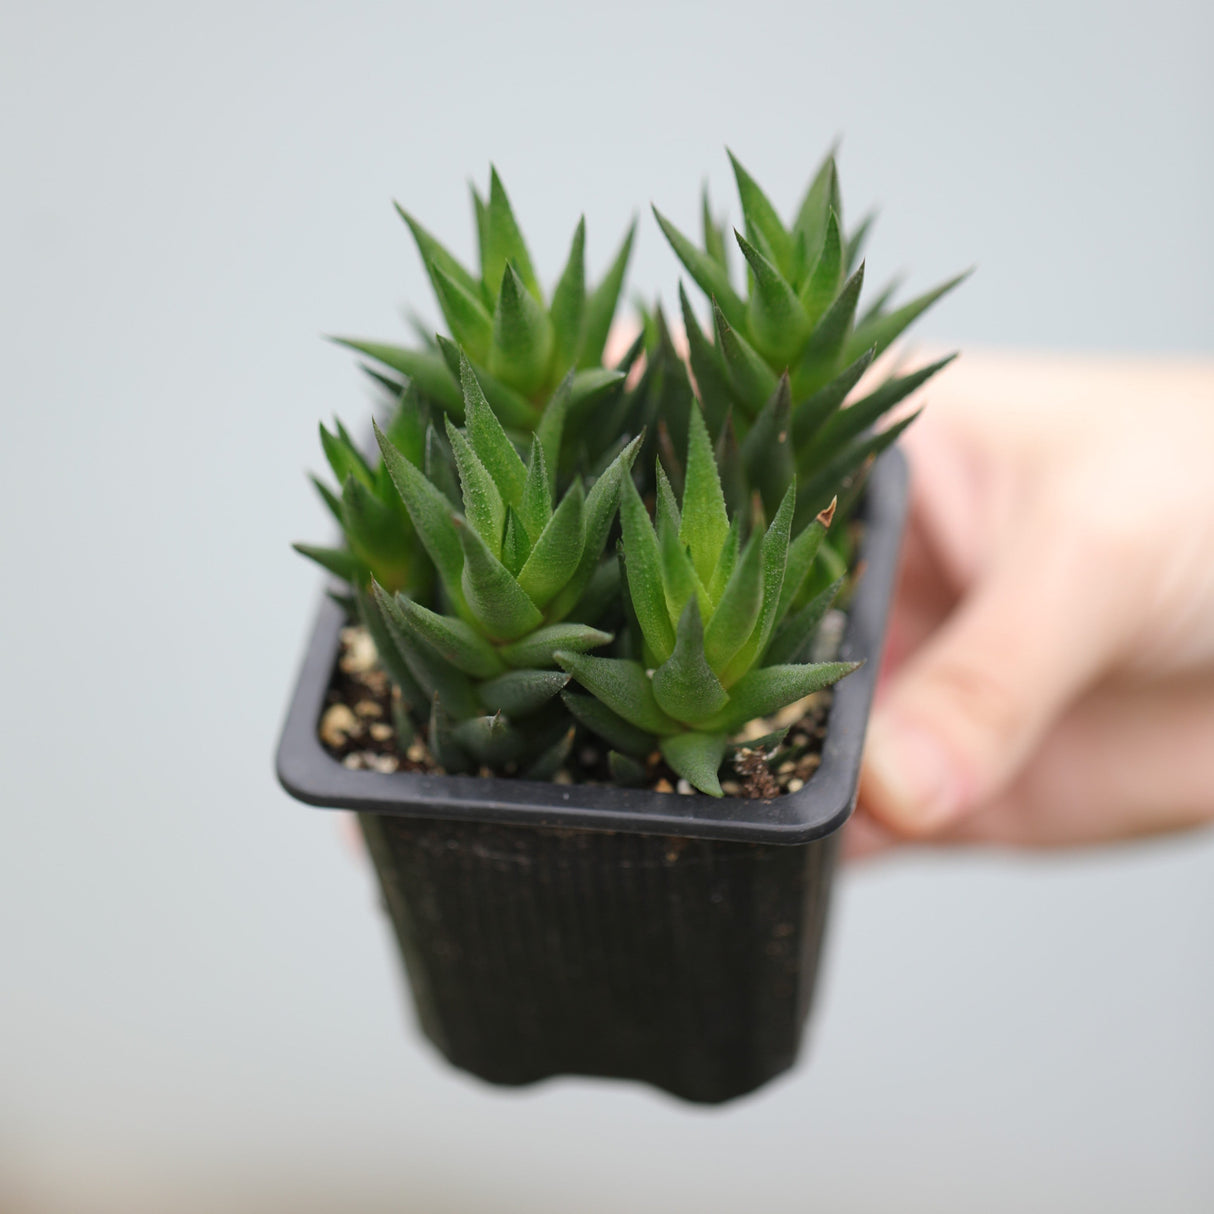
(551, 929)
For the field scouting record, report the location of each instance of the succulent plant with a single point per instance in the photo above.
(522, 346)
(721, 643)
(521, 577)
(474, 548)
(786, 354)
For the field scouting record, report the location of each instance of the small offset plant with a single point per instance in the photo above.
(715, 615)
(785, 355)
(521, 345)
(550, 549)
(512, 566)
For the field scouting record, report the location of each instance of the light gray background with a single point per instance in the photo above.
(199, 1005)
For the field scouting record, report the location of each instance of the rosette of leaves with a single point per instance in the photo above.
(521, 344)
(786, 353)
(380, 542)
(721, 642)
(520, 576)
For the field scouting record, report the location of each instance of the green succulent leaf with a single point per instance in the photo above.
(429, 371)
(792, 641)
(558, 549)
(551, 429)
(465, 313)
(498, 602)
(432, 673)
(435, 257)
(708, 273)
(847, 423)
(770, 688)
(880, 301)
(430, 512)
(697, 757)
(535, 508)
(812, 413)
(736, 613)
(643, 564)
(389, 652)
(773, 557)
(626, 772)
(752, 379)
(503, 241)
(493, 595)
(778, 322)
(820, 199)
(490, 740)
(489, 441)
(599, 512)
(881, 330)
(802, 552)
(857, 240)
(330, 499)
(569, 301)
(374, 532)
(536, 650)
(516, 543)
(451, 638)
(666, 510)
(825, 347)
(340, 562)
(705, 520)
(714, 233)
(761, 217)
(552, 759)
(608, 725)
(767, 451)
(483, 505)
(601, 305)
(344, 457)
(522, 336)
(684, 685)
(726, 561)
(708, 367)
(407, 428)
(590, 386)
(623, 686)
(439, 467)
(520, 692)
(511, 406)
(826, 277)
(444, 746)
(821, 482)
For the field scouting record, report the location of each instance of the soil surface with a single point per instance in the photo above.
(362, 711)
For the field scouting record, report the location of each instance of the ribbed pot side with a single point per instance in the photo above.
(684, 963)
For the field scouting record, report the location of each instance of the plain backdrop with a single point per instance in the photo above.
(200, 1007)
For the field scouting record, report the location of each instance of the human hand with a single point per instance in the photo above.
(1050, 670)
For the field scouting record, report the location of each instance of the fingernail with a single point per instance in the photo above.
(910, 779)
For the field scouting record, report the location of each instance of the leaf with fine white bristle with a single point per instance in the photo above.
(684, 685)
(621, 685)
(522, 337)
(697, 757)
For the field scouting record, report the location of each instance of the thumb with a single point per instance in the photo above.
(1047, 615)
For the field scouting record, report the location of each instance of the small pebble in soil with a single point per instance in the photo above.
(338, 724)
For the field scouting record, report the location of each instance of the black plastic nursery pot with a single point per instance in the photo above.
(551, 929)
